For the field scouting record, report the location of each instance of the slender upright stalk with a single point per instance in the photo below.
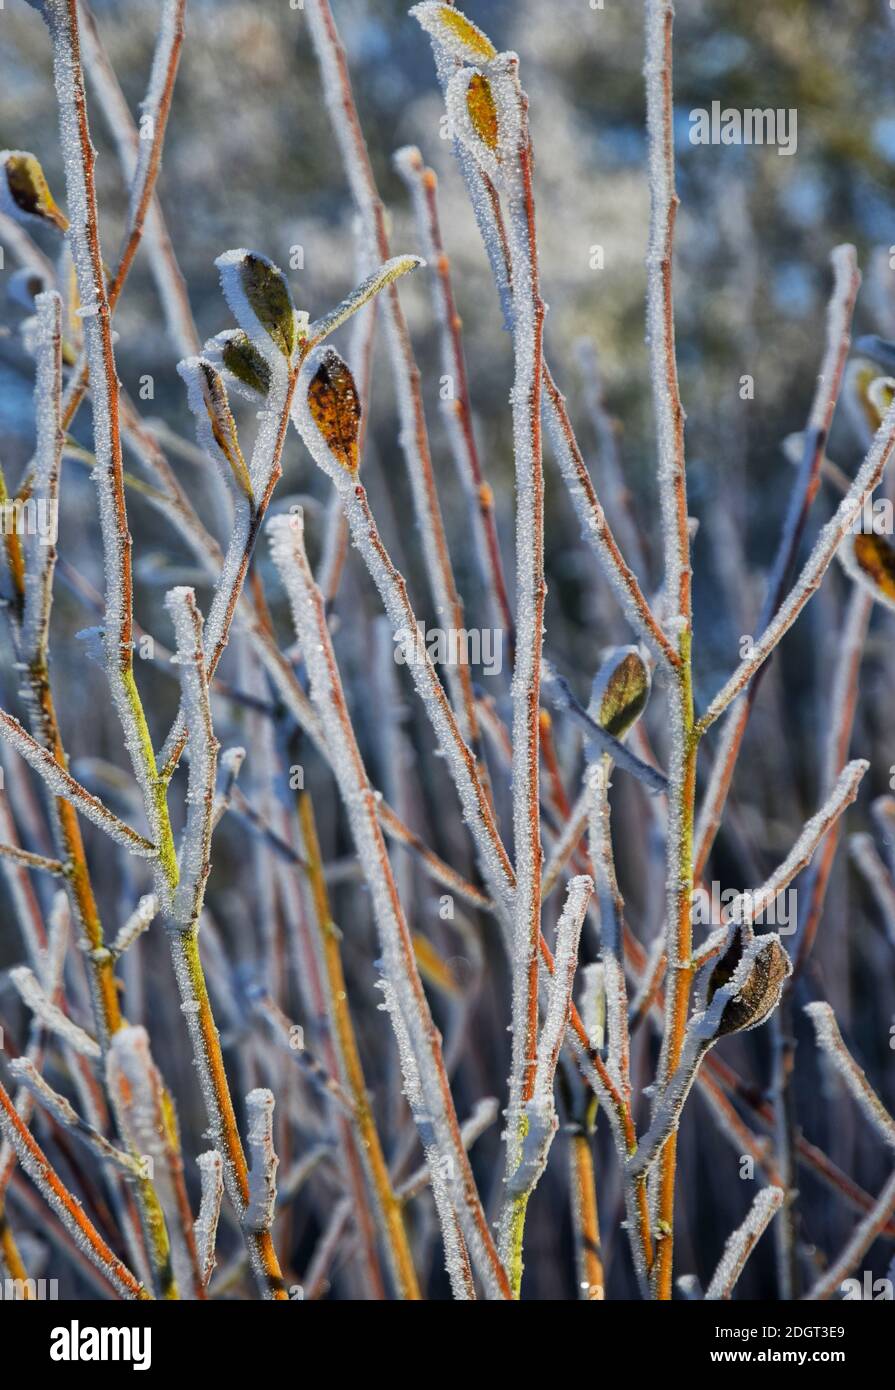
(669, 416)
(419, 1043)
(389, 1208)
(414, 438)
(68, 1209)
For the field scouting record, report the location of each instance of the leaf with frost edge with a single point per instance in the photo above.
(277, 339)
(454, 32)
(47, 209)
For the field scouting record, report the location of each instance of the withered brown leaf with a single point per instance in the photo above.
(223, 425)
(335, 408)
(760, 993)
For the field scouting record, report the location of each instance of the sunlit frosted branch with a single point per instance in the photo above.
(62, 784)
(66, 1207)
(739, 1246)
(829, 1039)
(421, 1057)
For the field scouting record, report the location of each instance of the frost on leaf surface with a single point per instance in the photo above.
(259, 299)
(215, 425)
(870, 560)
(458, 35)
(243, 361)
(749, 983)
(25, 193)
(621, 690)
(335, 408)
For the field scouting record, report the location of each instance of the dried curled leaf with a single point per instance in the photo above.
(621, 691)
(223, 425)
(455, 32)
(725, 966)
(870, 560)
(483, 110)
(243, 360)
(335, 408)
(27, 191)
(751, 974)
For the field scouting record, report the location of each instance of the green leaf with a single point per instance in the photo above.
(243, 360)
(258, 294)
(621, 690)
(361, 295)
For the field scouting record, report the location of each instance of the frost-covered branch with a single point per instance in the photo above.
(488, 112)
(739, 1246)
(677, 599)
(40, 558)
(30, 860)
(829, 1040)
(386, 1203)
(67, 1208)
(877, 877)
(754, 971)
(559, 997)
(413, 434)
(846, 281)
(750, 906)
(26, 1073)
(138, 922)
(264, 1162)
(116, 112)
(539, 1118)
(146, 1119)
(183, 932)
(863, 485)
(481, 1119)
(444, 23)
(560, 695)
(326, 381)
(63, 785)
(860, 1241)
(457, 406)
(425, 1079)
(205, 1227)
(155, 110)
(195, 853)
(50, 1015)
